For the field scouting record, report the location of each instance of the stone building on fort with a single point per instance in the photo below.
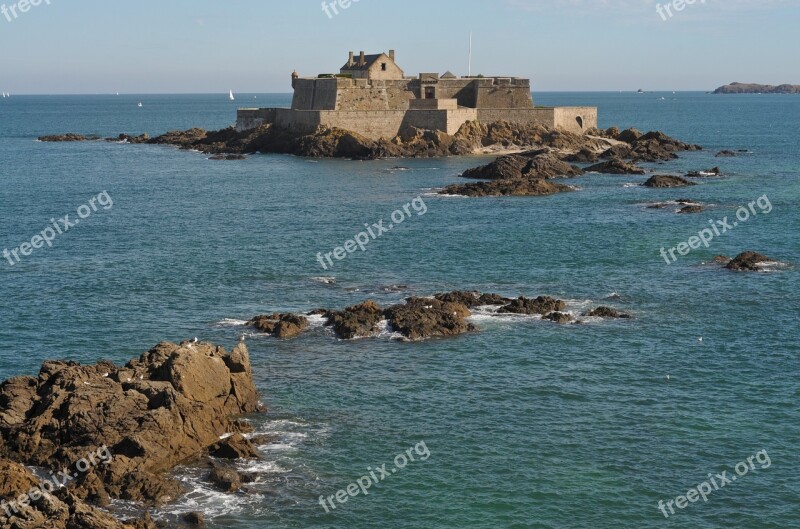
(372, 96)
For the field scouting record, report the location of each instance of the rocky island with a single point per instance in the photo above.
(752, 88)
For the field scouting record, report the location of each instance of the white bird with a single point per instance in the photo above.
(195, 340)
(700, 339)
(667, 377)
(241, 338)
(105, 375)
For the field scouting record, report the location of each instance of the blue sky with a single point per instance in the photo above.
(203, 46)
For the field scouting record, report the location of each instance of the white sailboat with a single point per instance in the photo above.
(231, 96)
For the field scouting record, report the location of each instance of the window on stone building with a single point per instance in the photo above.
(383, 66)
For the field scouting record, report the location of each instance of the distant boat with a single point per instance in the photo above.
(640, 91)
(140, 105)
(231, 96)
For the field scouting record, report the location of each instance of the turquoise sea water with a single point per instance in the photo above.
(528, 424)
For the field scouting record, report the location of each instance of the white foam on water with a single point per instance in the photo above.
(230, 322)
(316, 320)
(327, 280)
(384, 331)
(203, 497)
(444, 196)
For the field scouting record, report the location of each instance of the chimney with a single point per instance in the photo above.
(391, 54)
(350, 60)
(363, 59)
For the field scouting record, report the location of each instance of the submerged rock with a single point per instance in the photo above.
(726, 154)
(692, 208)
(662, 181)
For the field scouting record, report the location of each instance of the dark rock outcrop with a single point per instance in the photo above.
(358, 321)
(521, 187)
(748, 262)
(661, 181)
(693, 208)
(716, 171)
(225, 478)
(420, 318)
(582, 156)
(615, 166)
(280, 325)
(68, 137)
(195, 519)
(607, 312)
(558, 317)
(538, 164)
(234, 447)
(726, 154)
(542, 305)
(228, 157)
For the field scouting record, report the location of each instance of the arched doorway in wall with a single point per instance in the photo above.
(579, 119)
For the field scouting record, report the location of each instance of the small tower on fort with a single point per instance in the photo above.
(295, 77)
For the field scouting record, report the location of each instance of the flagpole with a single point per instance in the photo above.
(469, 74)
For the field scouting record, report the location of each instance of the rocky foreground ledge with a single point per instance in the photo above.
(114, 432)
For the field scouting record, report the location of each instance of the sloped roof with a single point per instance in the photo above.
(449, 75)
(369, 60)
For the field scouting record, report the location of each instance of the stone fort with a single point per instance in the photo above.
(372, 96)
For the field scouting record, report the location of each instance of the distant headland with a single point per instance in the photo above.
(753, 88)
